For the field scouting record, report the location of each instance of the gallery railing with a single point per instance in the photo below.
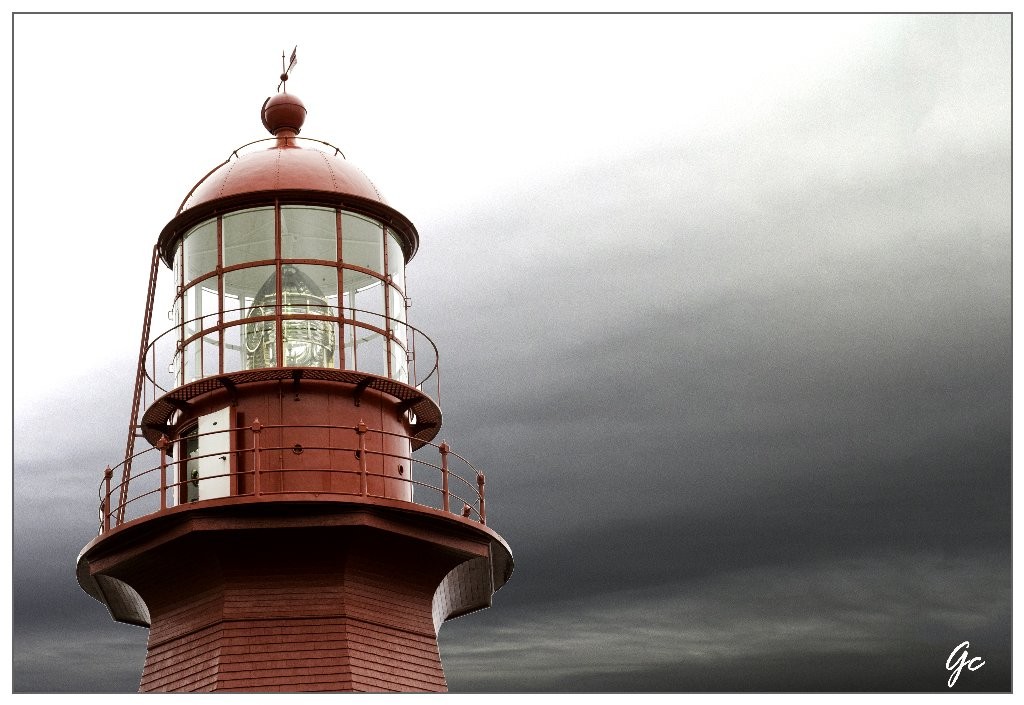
(159, 481)
(214, 344)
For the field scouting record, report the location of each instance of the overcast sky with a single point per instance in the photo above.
(722, 302)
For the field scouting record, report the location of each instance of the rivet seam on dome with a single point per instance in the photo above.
(330, 170)
(380, 197)
(224, 181)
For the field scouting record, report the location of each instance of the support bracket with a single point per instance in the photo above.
(361, 387)
(232, 390)
(162, 429)
(182, 406)
(407, 404)
(422, 426)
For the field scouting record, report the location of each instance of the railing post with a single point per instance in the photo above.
(162, 445)
(361, 430)
(444, 448)
(107, 474)
(483, 508)
(256, 428)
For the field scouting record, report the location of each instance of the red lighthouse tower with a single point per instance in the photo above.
(290, 524)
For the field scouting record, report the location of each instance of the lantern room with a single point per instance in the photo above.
(303, 284)
(311, 278)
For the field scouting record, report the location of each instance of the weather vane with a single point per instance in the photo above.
(287, 70)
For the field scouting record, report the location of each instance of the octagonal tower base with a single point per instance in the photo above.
(295, 596)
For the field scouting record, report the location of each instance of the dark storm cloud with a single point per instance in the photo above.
(836, 359)
(64, 640)
(89, 654)
(783, 367)
(60, 633)
(870, 623)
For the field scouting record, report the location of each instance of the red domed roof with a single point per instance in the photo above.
(285, 166)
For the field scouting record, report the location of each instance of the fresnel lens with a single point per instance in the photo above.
(306, 342)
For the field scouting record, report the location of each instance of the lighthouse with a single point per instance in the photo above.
(286, 517)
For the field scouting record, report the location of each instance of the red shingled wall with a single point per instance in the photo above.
(296, 610)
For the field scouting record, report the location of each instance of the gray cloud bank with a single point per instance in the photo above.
(848, 624)
(749, 401)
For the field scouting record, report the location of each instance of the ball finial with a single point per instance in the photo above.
(283, 112)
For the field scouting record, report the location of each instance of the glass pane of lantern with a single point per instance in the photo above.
(193, 361)
(348, 351)
(362, 242)
(234, 360)
(176, 267)
(335, 360)
(364, 297)
(308, 290)
(397, 313)
(309, 233)
(370, 352)
(260, 340)
(252, 344)
(211, 355)
(400, 331)
(248, 236)
(399, 362)
(201, 303)
(200, 251)
(396, 261)
(322, 279)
